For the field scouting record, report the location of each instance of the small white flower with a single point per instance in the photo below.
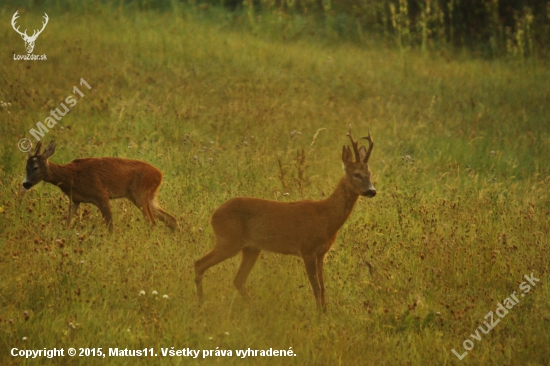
(226, 333)
(165, 296)
(155, 293)
(24, 338)
(141, 293)
(210, 338)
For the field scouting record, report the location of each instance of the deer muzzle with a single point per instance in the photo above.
(370, 192)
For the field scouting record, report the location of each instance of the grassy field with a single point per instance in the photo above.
(461, 166)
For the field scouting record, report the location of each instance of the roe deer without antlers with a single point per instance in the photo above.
(97, 180)
(305, 228)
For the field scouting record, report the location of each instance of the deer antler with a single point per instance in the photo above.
(13, 19)
(354, 144)
(371, 145)
(37, 149)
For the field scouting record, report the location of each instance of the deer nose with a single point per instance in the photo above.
(370, 193)
(27, 185)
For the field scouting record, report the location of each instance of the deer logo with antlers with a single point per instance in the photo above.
(29, 41)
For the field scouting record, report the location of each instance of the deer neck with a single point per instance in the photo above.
(340, 204)
(57, 175)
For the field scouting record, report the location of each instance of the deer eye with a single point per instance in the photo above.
(357, 175)
(35, 168)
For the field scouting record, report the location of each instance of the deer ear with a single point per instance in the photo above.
(346, 155)
(362, 154)
(49, 150)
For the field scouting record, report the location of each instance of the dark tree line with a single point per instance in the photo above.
(501, 26)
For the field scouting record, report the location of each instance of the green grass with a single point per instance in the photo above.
(461, 166)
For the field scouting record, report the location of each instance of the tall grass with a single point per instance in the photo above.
(461, 165)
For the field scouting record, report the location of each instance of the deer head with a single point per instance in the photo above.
(357, 172)
(37, 165)
(29, 41)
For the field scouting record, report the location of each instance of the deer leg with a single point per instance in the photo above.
(73, 206)
(149, 205)
(146, 211)
(144, 206)
(163, 215)
(250, 255)
(105, 209)
(312, 273)
(211, 258)
(320, 266)
(149, 213)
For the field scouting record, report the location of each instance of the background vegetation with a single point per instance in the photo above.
(461, 165)
(492, 28)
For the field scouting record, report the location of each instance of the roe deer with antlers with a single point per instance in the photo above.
(98, 180)
(305, 228)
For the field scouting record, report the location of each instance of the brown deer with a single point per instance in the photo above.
(98, 180)
(304, 228)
